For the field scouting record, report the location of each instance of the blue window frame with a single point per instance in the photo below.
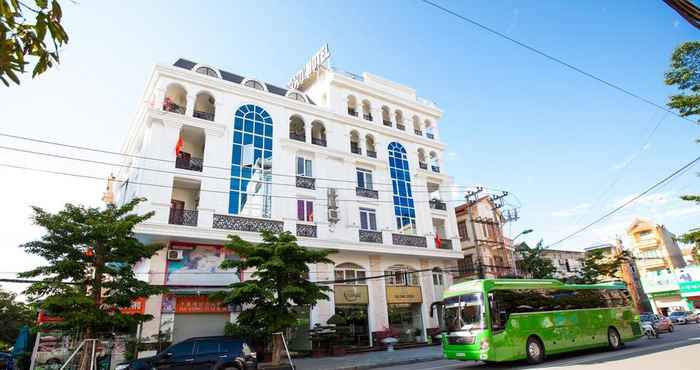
(251, 163)
(404, 211)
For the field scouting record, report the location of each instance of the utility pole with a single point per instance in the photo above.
(471, 198)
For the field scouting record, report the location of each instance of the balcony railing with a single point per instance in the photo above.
(372, 154)
(436, 169)
(409, 240)
(418, 132)
(192, 164)
(179, 216)
(306, 182)
(355, 149)
(352, 112)
(445, 244)
(256, 225)
(438, 204)
(387, 123)
(295, 136)
(318, 141)
(401, 126)
(209, 116)
(429, 135)
(172, 107)
(366, 193)
(367, 116)
(423, 165)
(307, 231)
(370, 236)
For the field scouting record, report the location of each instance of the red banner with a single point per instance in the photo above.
(198, 304)
(138, 306)
(45, 317)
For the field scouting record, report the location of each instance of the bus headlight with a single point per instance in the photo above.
(484, 344)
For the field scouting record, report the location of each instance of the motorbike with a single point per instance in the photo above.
(649, 330)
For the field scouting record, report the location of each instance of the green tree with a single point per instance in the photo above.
(279, 284)
(533, 263)
(597, 266)
(685, 75)
(13, 316)
(23, 34)
(88, 276)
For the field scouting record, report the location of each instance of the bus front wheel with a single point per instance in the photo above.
(614, 339)
(534, 350)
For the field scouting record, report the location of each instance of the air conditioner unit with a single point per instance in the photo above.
(333, 215)
(174, 255)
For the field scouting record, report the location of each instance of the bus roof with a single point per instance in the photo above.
(476, 286)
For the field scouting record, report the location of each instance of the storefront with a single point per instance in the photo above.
(195, 316)
(351, 302)
(689, 282)
(670, 291)
(405, 312)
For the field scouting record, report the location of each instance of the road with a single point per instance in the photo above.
(679, 350)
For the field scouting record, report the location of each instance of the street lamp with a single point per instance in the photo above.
(521, 233)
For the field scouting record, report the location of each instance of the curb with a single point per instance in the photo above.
(387, 363)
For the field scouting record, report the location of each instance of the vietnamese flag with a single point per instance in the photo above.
(438, 242)
(178, 147)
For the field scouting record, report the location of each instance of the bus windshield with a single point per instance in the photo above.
(463, 312)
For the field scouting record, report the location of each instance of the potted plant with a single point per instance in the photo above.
(342, 335)
(418, 333)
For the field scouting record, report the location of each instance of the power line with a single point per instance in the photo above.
(616, 209)
(555, 59)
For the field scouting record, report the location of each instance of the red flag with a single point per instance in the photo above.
(178, 147)
(438, 242)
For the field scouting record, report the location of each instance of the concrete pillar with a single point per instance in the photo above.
(378, 311)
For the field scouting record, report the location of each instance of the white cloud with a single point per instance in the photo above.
(571, 211)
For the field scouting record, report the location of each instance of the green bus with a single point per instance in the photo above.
(514, 319)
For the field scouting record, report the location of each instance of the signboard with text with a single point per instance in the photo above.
(351, 294)
(689, 280)
(311, 67)
(198, 304)
(403, 294)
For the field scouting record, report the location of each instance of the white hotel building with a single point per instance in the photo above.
(347, 162)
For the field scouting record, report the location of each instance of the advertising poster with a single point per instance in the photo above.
(200, 266)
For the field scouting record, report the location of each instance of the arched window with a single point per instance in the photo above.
(251, 163)
(386, 116)
(254, 84)
(204, 106)
(296, 96)
(207, 71)
(175, 99)
(398, 118)
(297, 130)
(434, 162)
(369, 146)
(404, 209)
(416, 126)
(318, 133)
(352, 106)
(350, 271)
(422, 161)
(402, 275)
(429, 130)
(367, 110)
(355, 142)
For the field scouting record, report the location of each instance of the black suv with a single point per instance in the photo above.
(204, 353)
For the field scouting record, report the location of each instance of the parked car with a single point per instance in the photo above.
(684, 317)
(660, 323)
(204, 353)
(5, 361)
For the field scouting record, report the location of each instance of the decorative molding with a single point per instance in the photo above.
(409, 240)
(246, 224)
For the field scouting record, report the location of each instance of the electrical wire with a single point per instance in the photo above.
(556, 60)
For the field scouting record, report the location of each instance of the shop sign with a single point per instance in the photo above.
(689, 280)
(312, 66)
(198, 304)
(403, 294)
(138, 306)
(659, 281)
(351, 294)
(200, 266)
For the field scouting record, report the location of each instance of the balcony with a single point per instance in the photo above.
(418, 132)
(429, 135)
(366, 193)
(370, 236)
(445, 244)
(318, 141)
(352, 112)
(372, 154)
(189, 163)
(306, 182)
(355, 149)
(307, 231)
(387, 123)
(647, 243)
(409, 240)
(435, 169)
(179, 216)
(169, 106)
(438, 204)
(297, 137)
(423, 165)
(401, 127)
(209, 116)
(255, 225)
(367, 116)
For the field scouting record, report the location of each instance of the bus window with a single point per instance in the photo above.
(463, 312)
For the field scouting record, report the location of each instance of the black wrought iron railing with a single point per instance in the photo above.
(409, 240)
(387, 123)
(367, 116)
(438, 204)
(436, 169)
(179, 216)
(370, 236)
(295, 136)
(306, 182)
(250, 224)
(209, 116)
(423, 165)
(401, 126)
(318, 141)
(192, 164)
(366, 193)
(355, 149)
(372, 154)
(352, 112)
(306, 230)
(172, 107)
(418, 132)
(430, 136)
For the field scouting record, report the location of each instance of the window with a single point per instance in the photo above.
(404, 210)
(296, 96)
(462, 230)
(401, 275)
(364, 179)
(182, 349)
(368, 219)
(207, 347)
(304, 167)
(646, 235)
(305, 210)
(233, 347)
(254, 84)
(207, 71)
(438, 277)
(350, 271)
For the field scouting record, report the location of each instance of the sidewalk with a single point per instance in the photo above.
(371, 360)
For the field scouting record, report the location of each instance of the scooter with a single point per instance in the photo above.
(649, 330)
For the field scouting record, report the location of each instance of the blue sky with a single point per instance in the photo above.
(513, 119)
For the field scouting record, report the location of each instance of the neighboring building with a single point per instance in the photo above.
(495, 250)
(656, 252)
(567, 263)
(628, 273)
(673, 289)
(344, 162)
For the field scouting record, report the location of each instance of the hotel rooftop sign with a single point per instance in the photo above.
(311, 67)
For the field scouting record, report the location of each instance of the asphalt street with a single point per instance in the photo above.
(679, 350)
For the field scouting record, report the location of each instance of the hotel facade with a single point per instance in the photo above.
(344, 162)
